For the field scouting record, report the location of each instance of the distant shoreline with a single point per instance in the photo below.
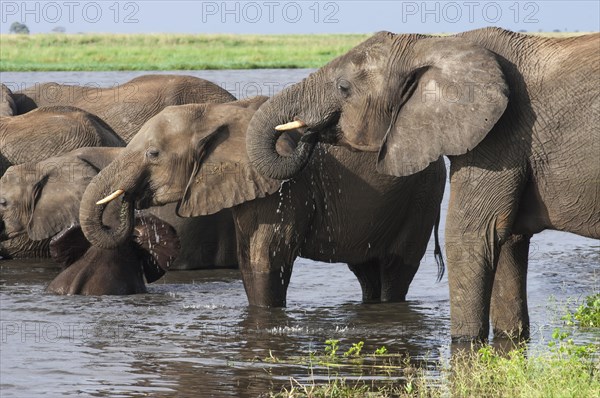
(135, 52)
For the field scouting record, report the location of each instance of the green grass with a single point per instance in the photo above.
(95, 52)
(587, 314)
(104, 52)
(564, 369)
(561, 368)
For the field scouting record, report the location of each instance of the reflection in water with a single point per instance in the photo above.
(194, 335)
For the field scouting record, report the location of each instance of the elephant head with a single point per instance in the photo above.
(41, 199)
(7, 102)
(412, 98)
(194, 155)
(93, 271)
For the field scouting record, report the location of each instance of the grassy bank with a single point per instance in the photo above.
(103, 52)
(561, 368)
(99, 52)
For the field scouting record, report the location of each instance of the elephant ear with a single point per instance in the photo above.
(158, 244)
(452, 98)
(223, 176)
(55, 197)
(69, 245)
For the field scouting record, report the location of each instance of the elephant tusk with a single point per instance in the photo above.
(111, 197)
(290, 126)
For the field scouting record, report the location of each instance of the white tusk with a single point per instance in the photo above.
(290, 126)
(111, 197)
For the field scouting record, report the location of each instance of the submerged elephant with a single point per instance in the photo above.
(51, 131)
(518, 116)
(195, 155)
(127, 106)
(7, 103)
(123, 270)
(40, 199)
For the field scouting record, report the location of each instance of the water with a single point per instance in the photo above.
(193, 334)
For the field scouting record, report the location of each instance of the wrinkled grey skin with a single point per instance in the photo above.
(7, 103)
(51, 131)
(40, 134)
(40, 199)
(128, 106)
(195, 156)
(517, 115)
(92, 271)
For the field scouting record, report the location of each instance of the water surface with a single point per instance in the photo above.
(193, 334)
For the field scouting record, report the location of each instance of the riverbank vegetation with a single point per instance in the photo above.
(103, 52)
(559, 368)
(120, 52)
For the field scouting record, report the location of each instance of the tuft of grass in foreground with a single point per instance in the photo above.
(100, 52)
(561, 369)
(587, 314)
(564, 370)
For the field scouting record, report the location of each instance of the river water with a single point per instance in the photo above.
(193, 334)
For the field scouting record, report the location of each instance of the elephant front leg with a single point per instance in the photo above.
(510, 317)
(481, 212)
(470, 276)
(266, 267)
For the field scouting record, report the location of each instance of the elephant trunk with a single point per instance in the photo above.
(92, 215)
(261, 137)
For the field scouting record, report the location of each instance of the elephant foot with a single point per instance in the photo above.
(513, 334)
(265, 289)
(465, 332)
(467, 340)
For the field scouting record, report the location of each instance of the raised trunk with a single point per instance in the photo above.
(91, 215)
(261, 137)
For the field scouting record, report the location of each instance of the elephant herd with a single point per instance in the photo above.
(173, 172)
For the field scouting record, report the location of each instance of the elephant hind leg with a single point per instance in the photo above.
(396, 276)
(509, 314)
(368, 275)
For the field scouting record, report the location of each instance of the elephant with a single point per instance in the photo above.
(7, 103)
(40, 199)
(93, 271)
(50, 131)
(195, 155)
(42, 133)
(127, 106)
(517, 115)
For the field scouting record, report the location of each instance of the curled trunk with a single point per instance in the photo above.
(111, 230)
(261, 138)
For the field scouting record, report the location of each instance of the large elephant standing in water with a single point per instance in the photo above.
(195, 156)
(127, 106)
(517, 115)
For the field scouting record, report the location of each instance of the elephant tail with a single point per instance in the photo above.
(437, 252)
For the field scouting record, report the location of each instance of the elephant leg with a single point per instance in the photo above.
(368, 275)
(266, 266)
(396, 277)
(509, 313)
(482, 209)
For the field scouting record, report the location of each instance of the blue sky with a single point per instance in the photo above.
(282, 16)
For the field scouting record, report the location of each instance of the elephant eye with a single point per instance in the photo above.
(152, 153)
(344, 87)
(3, 202)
